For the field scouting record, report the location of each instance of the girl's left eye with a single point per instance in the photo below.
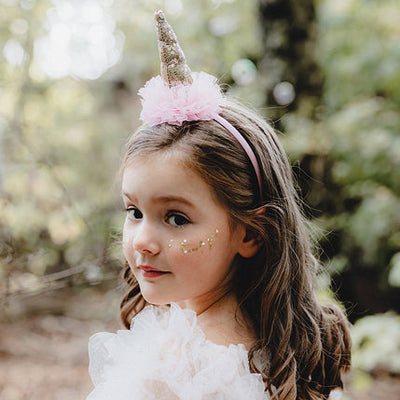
(176, 219)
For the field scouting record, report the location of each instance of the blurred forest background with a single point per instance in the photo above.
(325, 73)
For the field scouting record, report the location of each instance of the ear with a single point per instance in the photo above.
(250, 243)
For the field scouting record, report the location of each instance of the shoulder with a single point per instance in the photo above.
(165, 355)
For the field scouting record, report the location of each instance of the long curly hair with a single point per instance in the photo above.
(307, 344)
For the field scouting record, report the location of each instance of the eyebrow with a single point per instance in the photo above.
(168, 199)
(128, 196)
(171, 199)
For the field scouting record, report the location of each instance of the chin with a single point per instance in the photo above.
(156, 298)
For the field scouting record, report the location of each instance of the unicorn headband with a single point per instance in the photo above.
(179, 95)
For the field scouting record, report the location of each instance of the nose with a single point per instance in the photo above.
(145, 239)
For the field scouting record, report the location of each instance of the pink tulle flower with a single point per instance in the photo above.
(199, 101)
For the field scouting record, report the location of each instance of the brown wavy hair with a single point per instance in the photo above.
(307, 344)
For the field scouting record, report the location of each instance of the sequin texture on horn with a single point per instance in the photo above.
(174, 70)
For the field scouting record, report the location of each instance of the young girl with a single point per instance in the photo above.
(220, 302)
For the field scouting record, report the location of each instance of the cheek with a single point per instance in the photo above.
(126, 242)
(193, 245)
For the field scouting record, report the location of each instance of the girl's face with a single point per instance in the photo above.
(177, 238)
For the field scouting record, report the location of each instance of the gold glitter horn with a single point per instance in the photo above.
(174, 70)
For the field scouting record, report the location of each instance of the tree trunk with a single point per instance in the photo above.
(288, 37)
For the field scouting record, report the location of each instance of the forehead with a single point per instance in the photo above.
(163, 175)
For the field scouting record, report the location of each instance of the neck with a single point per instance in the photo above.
(223, 323)
(218, 304)
(208, 303)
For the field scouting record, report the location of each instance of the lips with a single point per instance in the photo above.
(149, 269)
(151, 272)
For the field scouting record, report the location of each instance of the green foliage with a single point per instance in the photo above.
(358, 49)
(376, 343)
(351, 150)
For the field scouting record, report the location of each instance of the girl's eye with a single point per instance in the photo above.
(134, 213)
(177, 219)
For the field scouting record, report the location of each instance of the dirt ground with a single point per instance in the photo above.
(43, 356)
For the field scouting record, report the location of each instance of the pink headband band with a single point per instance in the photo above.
(246, 147)
(177, 95)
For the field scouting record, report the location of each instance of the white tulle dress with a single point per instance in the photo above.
(165, 356)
